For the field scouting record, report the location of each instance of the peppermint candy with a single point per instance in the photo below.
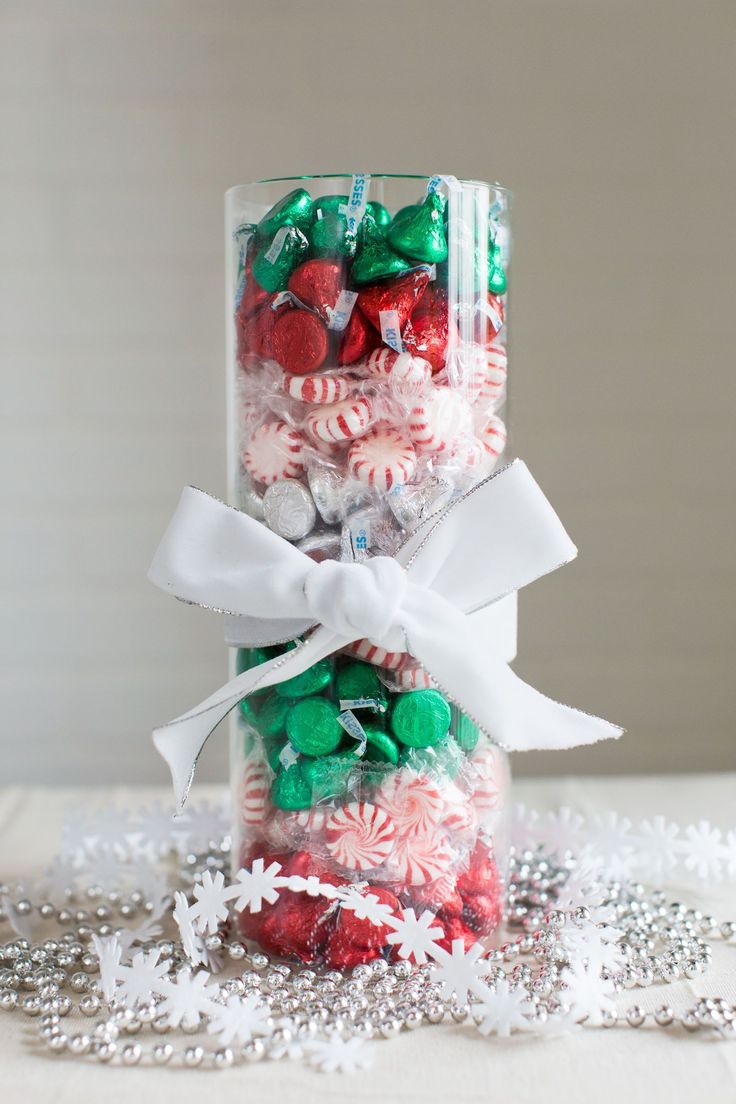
(410, 376)
(379, 364)
(253, 797)
(493, 437)
(421, 859)
(360, 836)
(340, 421)
(438, 421)
(379, 657)
(489, 779)
(494, 381)
(382, 459)
(414, 803)
(275, 451)
(412, 676)
(459, 815)
(318, 389)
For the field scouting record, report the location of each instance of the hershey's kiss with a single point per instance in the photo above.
(275, 261)
(422, 235)
(294, 209)
(411, 505)
(288, 509)
(376, 259)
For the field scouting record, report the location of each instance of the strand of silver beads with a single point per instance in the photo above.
(55, 978)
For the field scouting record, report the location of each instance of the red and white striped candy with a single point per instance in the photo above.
(253, 800)
(421, 859)
(318, 389)
(493, 381)
(414, 803)
(313, 820)
(379, 657)
(460, 816)
(382, 459)
(469, 454)
(412, 676)
(275, 451)
(438, 421)
(493, 436)
(489, 778)
(379, 364)
(340, 421)
(495, 312)
(360, 836)
(410, 376)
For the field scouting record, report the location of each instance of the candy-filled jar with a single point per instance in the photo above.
(367, 360)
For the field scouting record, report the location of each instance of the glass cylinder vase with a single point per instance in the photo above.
(367, 364)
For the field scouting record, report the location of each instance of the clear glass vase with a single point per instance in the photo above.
(367, 364)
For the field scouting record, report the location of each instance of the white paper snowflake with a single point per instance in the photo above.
(595, 946)
(729, 853)
(205, 824)
(241, 1018)
(158, 831)
(112, 829)
(703, 850)
(610, 835)
(502, 1010)
(584, 885)
(461, 972)
(336, 1055)
(186, 998)
(561, 831)
(366, 906)
(191, 942)
(587, 994)
(415, 935)
(101, 866)
(258, 885)
(109, 952)
(658, 848)
(211, 897)
(76, 832)
(142, 978)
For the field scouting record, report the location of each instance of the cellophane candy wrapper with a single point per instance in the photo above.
(367, 363)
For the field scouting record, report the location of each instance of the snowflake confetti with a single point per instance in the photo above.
(187, 998)
(336, 1055)
(460, 973)
(502, 1010)
(109, 952)
(588, 995)
(211, 898)
(241, 1018)
(139, 981)
(258, 885)
(414, 935)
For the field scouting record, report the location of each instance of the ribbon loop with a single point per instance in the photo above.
(500, 536)
(357, 599)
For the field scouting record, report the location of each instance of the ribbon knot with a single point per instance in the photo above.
(359, 600)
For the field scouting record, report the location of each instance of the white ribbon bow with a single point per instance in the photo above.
(427, 601)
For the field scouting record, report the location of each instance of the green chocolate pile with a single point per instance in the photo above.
(298, 227)
(314, 758)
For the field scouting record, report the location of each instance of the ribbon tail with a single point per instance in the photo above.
(180, 742)
(511, 712)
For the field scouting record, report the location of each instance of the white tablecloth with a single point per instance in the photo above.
(618, 1066)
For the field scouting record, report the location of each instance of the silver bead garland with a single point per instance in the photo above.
(53, 978)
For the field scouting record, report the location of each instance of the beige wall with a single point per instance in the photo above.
(122, 123)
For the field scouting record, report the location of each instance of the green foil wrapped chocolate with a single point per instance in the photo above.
(420, 718)
(329, 237)
(379, 212)
(359, 680)
(271, 720)
(312, 726)
(294, 209)
(497, 282)
(375, 259)
(311, 681)
(330, 204)
(421, 235)
(405, 212)
(329, 775)
(465, 732)
(380, 745)
(275, 261)
(290, 789)
(273, 746)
